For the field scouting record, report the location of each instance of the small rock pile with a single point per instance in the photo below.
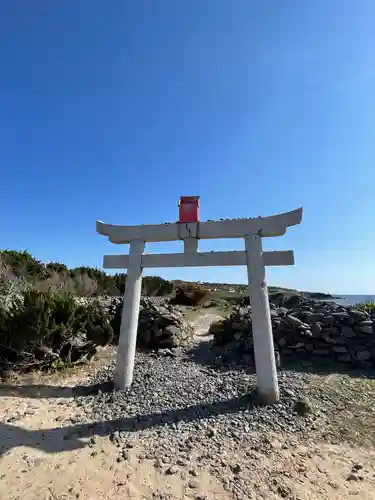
(305, 328)
(160, 325)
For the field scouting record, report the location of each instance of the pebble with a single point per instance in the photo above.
(303, 406)
(236, 468)
(352, 477)
(173, 469)
(193, 483)
(357, 467)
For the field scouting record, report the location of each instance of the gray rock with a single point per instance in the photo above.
(171, 330)
(357, 467)
(344, 358)
(316, 328)
(365, 329)
(303, 406)
(173, 469)
(340, 349)
(348, 331)
(165, 352)
(352, 477)
(236, 468)
(193, 483)
(363, 355)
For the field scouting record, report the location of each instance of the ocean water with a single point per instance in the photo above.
(349, 300)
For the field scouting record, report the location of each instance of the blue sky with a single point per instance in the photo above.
(112, 110)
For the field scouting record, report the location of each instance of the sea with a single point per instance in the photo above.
(350, 300)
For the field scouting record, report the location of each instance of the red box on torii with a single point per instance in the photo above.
(189, 208)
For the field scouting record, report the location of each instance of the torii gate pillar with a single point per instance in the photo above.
(264, 355)
(251, 230)
(129, 319)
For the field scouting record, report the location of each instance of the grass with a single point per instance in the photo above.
(191, 314)
(350, 404)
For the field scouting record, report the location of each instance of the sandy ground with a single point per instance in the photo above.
(38, 462)
(39, 458)
(37, 465)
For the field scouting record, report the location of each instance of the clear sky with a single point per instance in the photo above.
(112, 110)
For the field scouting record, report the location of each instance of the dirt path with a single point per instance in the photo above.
(40, 460)
(201, 326)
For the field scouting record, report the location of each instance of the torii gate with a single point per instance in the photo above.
(251, 230)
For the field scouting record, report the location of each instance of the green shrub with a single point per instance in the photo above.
(189, 294)
(82, 281)
(156, 286)
(119, 282)
(366, 306)
(57, 267)
(23, 263)
(46, 325)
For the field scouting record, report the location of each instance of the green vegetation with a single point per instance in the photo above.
(190, 294)
(366, 306)
(40, 328)
(81, 281)
(349, 401)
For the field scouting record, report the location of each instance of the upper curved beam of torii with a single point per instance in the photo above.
(275, 225)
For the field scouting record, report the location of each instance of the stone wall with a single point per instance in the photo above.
(160, 324)
(305, 328)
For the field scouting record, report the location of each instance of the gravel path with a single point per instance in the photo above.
(189, 418)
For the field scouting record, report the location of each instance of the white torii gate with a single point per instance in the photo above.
(251, 230)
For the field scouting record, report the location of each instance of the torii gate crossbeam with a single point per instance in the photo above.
(251, 230)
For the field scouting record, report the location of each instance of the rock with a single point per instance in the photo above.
(115, 437)
(348, 331)
(365, 329)
(328, 321)
(344, 359)
(357, 467)
(194, 472)
(236, 468)
(316, 329)
(284, 491)
(303, 406)
(173, 469)
(363, 355)
(182, 462)
(292, 320)
(366, 323)
(93, 441)
(352, 477)
(340, 349)
(193, 483)
(165, 352)
(171, 330)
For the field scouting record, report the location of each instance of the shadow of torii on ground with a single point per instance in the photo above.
(58, 439)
